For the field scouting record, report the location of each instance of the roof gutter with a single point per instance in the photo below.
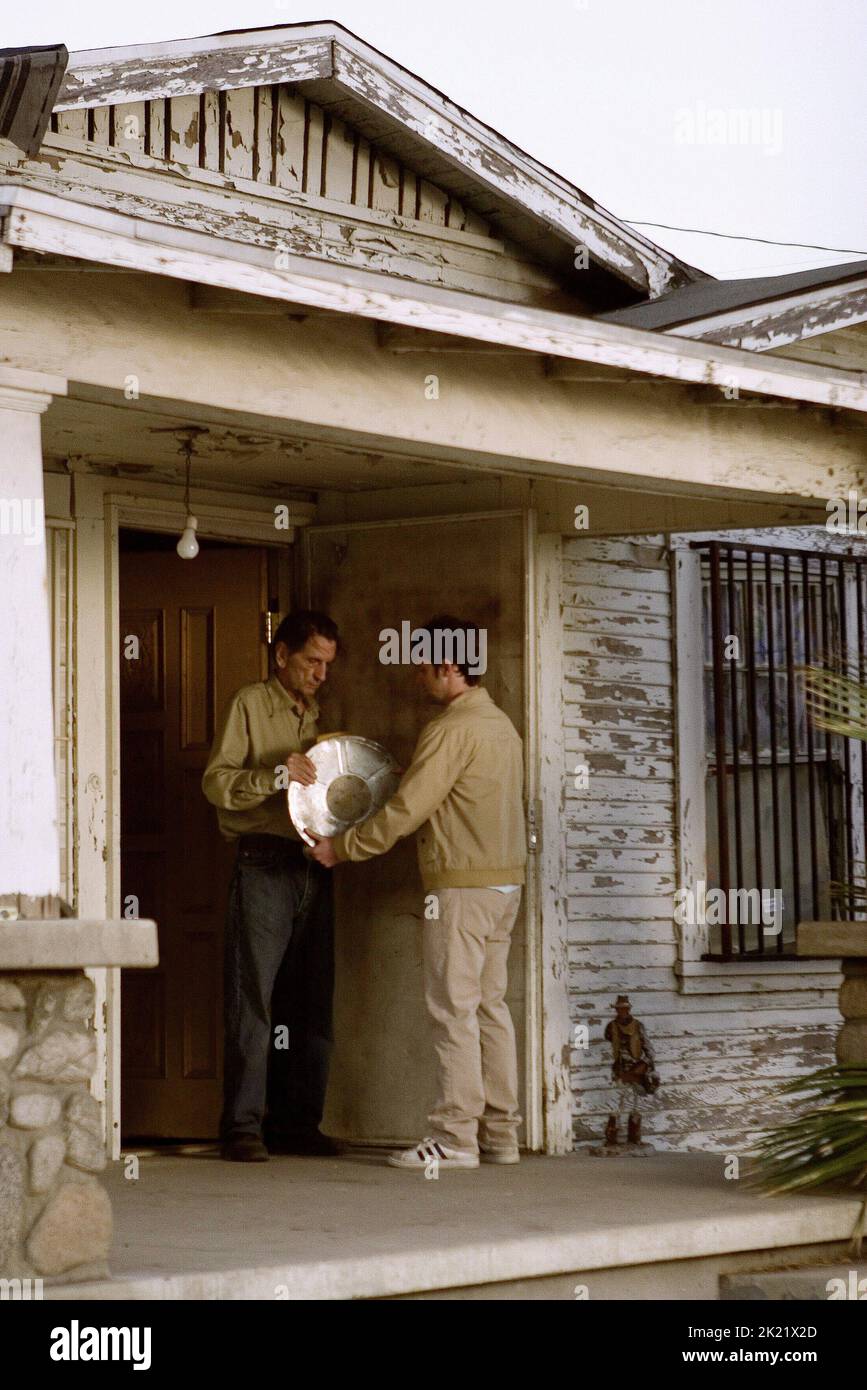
(49, 224)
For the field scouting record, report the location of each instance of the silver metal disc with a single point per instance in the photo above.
(354, 778)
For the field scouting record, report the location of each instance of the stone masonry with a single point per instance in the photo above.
(55, 1217)
(852, 1038)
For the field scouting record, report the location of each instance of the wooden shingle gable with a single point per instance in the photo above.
(274, 136)
(406, 121)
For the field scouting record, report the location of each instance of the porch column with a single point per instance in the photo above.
(55, 1216)
(29, 849)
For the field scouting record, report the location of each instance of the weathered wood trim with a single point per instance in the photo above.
(95, 755)
(785, 982)
(43, 222)
(535, 1060)
(100, 506)
(219, 63)
(761, 327)
(157, 507)
(845, 348)
(494, 162)
(795, 537)
(689, 739)
(556, 1020)
(118, 159)
(297, 54)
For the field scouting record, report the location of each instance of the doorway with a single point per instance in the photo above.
(200, 637)
(370, 577)
(191, 633)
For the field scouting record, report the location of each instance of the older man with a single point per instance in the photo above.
(462, 793)
(279, 973)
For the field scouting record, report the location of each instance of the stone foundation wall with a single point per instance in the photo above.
(852, 1038)
(55, 1218)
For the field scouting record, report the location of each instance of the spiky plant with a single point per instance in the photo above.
(827, 1142)
(838, 704)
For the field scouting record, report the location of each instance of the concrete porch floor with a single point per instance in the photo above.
(194, 1227)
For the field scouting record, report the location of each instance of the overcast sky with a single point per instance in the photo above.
(745, 118)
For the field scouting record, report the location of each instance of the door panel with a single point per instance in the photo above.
(368, 579)
(199, 638)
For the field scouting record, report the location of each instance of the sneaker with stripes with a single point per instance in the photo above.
(430, 1153)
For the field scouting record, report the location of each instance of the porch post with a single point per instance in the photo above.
(55, 1216)
(29, 849)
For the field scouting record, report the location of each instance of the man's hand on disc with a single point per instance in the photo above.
(301, 769)
(322, 851)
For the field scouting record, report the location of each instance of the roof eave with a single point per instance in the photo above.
(776, 323)
(327, 51)
(51, 224)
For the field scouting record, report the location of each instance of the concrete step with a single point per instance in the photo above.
(816, 1282)
(573, 1227)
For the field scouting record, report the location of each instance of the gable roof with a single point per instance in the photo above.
(521, 198)
(758, 314)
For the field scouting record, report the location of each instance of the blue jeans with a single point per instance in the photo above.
(279, 984)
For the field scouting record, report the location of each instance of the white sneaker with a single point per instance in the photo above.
(431, 1155)
(500, 1155)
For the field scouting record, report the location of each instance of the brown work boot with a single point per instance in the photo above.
(611, 1130)
(633, 1133)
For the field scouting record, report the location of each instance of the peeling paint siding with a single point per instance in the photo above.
(329, 232)
(722, 1052)
(356, 82)
(588, 225)
(174, 73)
(270, 135)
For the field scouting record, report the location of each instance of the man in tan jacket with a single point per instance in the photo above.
(463, 795)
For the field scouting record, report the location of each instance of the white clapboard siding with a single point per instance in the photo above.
(724, 1053)
(58, 552)
(620, 860)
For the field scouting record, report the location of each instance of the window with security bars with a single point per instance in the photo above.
(785, 806)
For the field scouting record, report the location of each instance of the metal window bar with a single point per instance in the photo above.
(787, 609)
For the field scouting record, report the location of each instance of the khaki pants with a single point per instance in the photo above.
(465, 975)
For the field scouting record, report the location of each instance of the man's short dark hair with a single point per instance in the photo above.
(447, 622)
(297, 628)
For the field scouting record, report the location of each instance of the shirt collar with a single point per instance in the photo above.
(475, 695)
(280, 698)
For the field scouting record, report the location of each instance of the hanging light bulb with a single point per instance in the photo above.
(188, 547)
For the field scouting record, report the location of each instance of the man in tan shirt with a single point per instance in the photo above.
(279, 965)
(463, 795)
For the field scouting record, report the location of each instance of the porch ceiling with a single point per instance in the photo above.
(141, 439)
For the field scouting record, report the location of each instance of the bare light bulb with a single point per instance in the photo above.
(188, 547)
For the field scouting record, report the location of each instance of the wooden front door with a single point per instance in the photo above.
(190, 635)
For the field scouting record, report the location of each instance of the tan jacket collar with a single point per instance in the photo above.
(279, 698)
(476, 695)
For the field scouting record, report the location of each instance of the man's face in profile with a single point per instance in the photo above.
(303, 672)
(431, 679)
